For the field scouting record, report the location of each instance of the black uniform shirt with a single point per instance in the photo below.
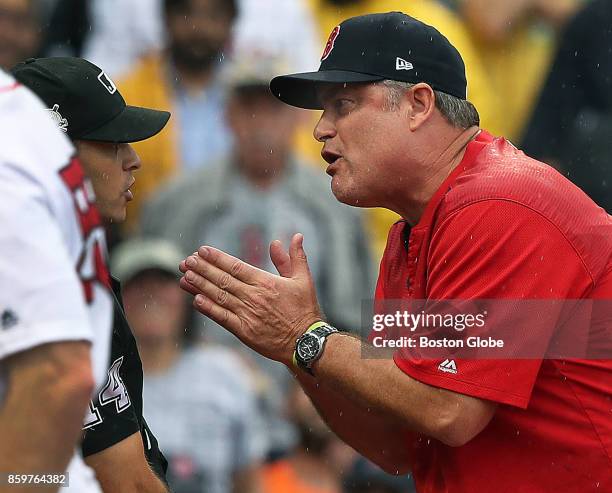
(115, 413)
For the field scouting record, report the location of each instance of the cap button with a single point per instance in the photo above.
(30, 60)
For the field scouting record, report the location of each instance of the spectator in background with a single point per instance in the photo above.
(514, 39)
(117, 42)
(259, 193)
(20, 31)
(329, 13)
(199, 398)
(571, 126)
(184, 77)
(312, 466)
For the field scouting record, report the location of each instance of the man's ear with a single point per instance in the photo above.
(422, 101)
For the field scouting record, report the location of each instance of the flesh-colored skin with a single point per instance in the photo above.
(57, 376)
(110, 168)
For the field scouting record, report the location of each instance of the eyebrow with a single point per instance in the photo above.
(329, 90)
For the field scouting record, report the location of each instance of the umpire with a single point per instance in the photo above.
(86, 105)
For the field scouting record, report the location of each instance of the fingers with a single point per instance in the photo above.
(218, 313)
(297, 255)
(233, 266)
(205, 271)
(184, 284)
(218, 291)
(183, 266)
(280, 258)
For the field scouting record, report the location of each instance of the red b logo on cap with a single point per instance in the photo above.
(329, 46)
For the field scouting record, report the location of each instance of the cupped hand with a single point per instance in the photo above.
(267, 312)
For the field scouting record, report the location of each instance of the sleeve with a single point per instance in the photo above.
(496, 250)
(41, 297)
(112, 416)
(156, 459)
(114, 410)
(107, 427)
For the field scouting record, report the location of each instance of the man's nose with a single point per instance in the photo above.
(324, 129)
(131, 160)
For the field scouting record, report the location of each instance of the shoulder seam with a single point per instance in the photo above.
(500, 199)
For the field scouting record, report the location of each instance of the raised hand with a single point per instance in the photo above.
(267, 312)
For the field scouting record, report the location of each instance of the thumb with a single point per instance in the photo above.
(280, 258)
(297, 255)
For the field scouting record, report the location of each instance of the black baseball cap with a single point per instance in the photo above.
(85, 102)
(375, 47)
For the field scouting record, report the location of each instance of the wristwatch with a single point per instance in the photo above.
(309, 347)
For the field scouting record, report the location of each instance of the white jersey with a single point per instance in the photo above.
(52, 250)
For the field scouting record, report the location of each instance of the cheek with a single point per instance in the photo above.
(370, 147)
(114, 183)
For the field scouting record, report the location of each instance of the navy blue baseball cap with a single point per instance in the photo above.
(376, 47)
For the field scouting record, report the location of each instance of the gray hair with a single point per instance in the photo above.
(458, 112)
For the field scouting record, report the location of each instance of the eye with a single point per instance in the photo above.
(343, 106)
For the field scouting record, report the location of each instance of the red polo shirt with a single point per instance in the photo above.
(505, 226)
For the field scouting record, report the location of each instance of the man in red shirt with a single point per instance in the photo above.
(482, 221)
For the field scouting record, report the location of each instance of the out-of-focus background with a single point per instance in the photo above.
(236, 169)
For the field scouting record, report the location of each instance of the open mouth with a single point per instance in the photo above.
(332, 159)
(127, 193)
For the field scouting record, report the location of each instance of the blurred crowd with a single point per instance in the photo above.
(237, 169)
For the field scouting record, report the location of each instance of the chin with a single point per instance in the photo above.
(119, 216)
(346, 195)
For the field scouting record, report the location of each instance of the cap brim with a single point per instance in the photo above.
(133, 124)
(300, 90)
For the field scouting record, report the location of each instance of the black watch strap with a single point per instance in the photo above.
(317, 335)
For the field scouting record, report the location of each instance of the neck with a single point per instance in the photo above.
(265, 180)
(193, 81)
(157, 356)
(437, 166)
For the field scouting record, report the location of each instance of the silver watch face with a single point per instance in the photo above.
(308, 348)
